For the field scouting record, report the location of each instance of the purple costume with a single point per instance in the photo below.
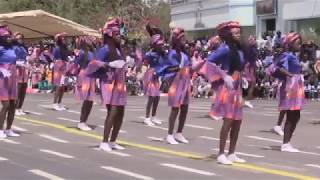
(22, 71)
(228, 103)
(112, 81)
(151, 84)
(250, 67)
(179, 91)
(291, 92)
(8, 85)
(85, 85)
(60, 66)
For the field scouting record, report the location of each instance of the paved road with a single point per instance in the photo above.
(52, 148)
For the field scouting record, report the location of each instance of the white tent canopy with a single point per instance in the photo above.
(41, 24)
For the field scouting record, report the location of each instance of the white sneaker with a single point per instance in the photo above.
(222, 159)
(234, 158)
(116, 146)
(17, 113)
(148, 122)
(278, 130)
(22, 112)
(156, 121)
(179, 137)
(56, 107)
(62, 107)
(248, 104)
(10, 133)
(171, 140)
(2, 134)
(84, 127)
(105, 147)
(288, 148)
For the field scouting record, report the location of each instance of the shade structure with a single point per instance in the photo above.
(40, 24)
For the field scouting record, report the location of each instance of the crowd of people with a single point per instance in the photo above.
(230, 69)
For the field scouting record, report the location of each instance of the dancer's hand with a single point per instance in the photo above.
(228, 80)
(117, 64)
(5, 73)
(20, 63)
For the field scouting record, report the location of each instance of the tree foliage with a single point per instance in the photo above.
(94, 13)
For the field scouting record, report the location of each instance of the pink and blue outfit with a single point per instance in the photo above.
(228, 102)
(85, 85)
(112, 81)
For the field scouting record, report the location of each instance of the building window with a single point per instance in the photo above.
(177, 2)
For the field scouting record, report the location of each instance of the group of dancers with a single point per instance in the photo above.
(228, 62)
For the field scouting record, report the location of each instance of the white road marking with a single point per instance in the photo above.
(3, 159)
(46, 106)
(121, 131)
(53, 138)
(19, 128)
(310, 153)
(155, 138)
(156, 127)
(198, 127)
(67, 119)
(115, 153)
(45, 174)
(244, 154)
(71, 111)
(125, 172)
(264, 139)
(10, 141)
(270, 148)
(211, 138)
(57, 153)
(119, 154)
(313, 165)
(183, 168)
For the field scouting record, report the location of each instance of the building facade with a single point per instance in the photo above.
(200, 17)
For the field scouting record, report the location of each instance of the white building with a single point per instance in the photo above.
(200, 17)
(290, 15)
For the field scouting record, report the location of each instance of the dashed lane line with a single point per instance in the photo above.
(3, 159)
(45, 174)
(258, 168)
(126, 172)
(115, 153)
(52, 138)
(57, 153)
(264, 139)
(313, 165)
(67, 119)
(10, 141)
(17, 128)
(187, 169)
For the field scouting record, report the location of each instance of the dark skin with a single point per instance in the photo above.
(61, 88)
(8, 106)
(183, 109)
(115, 114)
(22, 87)
(293, 116)
(153, 102)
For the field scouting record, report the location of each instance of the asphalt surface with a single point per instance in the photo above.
(51, 147)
